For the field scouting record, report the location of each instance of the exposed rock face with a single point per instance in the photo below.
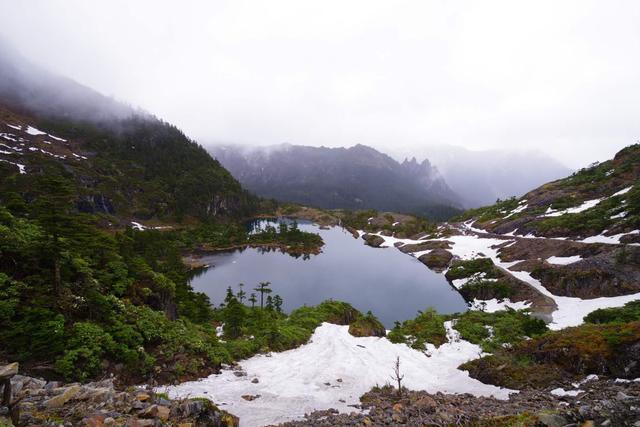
(36, 402)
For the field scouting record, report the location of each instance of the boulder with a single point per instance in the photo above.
(59, 400)
(373, 240)
(8, 371)
(437, 259)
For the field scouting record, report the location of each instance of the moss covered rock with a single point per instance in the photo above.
(367, 326)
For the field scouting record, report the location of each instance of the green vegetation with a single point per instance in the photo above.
(146, 169)
(605, 349)
(629, 313)
(496, 330)
(463, 269)
(409, 226)
(589, 222)
(486, 290)
(488, 213)
(427, 327)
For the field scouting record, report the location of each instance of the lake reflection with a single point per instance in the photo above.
(393, 285)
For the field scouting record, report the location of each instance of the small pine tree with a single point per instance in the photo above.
(234, 319)
(253, 299)
(269, 305)
(277, 303)
(241, 295)
(229, 296)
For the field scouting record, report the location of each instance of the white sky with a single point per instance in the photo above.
(560, 76)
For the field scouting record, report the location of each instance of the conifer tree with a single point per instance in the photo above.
(241, 295)
(253, 299)
(263, 288)
(277, 303)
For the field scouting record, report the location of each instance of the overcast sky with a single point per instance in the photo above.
(559, 76)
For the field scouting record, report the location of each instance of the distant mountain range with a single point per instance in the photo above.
(358, 177)
(482, 177)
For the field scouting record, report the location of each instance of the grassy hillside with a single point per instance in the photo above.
(603, 196)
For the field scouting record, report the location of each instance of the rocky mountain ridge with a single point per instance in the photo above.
(358, 177)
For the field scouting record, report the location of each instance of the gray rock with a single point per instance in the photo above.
(552, 420)
(8, 371)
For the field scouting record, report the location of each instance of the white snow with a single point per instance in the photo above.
(583, 207)
(626, 381)
(8, 136)
(57, 138)
(611, 240)
(493, 305)
(77, 156)
(138, 226)
(20, 167)
(33, 131)
(395, 223)
(563, 260)
(420, 253)
(481, 275)
(620, 215)
(16, 127)
(293, 382)
(571, 310)
(562, 392)
(517, 210)
(623, 191)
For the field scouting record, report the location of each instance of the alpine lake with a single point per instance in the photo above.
(391, 284)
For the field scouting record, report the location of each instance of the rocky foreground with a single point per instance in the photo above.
(36, 402)
(598, 403)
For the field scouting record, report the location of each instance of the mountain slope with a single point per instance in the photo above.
(358, 177)
(119, 162)
(594, 204)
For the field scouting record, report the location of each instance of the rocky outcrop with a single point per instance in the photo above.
(373, 240)
(437, 259)
(367, 326)
(36, 402)
(602, 403)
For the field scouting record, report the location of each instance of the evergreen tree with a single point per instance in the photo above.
(234, 319)
(263, 288)
(277, 303)
(52, 209)
(269, 305)
(229, 296)
(241, 295)
(253, 299)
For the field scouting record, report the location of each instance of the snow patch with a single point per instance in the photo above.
(335, 366)
(623, 191)
(611, 240)
(16, 127)
(33, 131)
(562, 392)
(583, 207)
(21, 168)
(563, 260)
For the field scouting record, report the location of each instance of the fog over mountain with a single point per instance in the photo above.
(481, 177)
(482, 75)
(358, 177)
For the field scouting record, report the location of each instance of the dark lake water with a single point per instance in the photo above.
(393, 285)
